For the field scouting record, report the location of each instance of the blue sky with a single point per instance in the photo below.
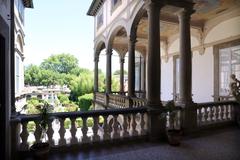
(59, 26)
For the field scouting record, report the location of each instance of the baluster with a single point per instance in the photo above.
(115, 127)
(62, 131)
(50, 132)
(227, 112)
(199, 116)
(73, 131)
(170, 120)
(133, 125)
(106, 129)
(232, 111)
(96, 137)
(178, 118)
(24, 136)
(213, 115)
(205, 114)
(217, 113)
(142, 124)
(38, 131)
(211, 109)
(125, 125)
(85, 138)
(221, 112)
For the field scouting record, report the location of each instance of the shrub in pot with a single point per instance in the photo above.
(41, 149)
(174, 134)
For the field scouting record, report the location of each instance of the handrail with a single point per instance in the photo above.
(32, 117)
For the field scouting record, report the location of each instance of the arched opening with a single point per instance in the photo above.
(119, 43)
(101, 57)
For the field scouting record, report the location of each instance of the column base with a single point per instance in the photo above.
(189, 117)
(156, 124)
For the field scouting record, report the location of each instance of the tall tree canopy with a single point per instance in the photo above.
(62, 63)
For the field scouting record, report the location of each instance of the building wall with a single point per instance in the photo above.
(5, 79)
(202, 63)
(19, 47)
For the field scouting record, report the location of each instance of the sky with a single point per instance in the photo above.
(59, 26)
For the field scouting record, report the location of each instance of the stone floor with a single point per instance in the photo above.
(223, 144)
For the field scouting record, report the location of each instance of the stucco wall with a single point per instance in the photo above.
(202, 65)
(5, 10)
(167, 80)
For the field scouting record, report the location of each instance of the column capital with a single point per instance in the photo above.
(185, 13)
(133, 38)
(155, 2)
(96, 58)
(122, 60)
(109, 51)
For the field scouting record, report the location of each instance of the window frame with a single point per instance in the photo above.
(175, 94)
(115, 6)
(216, 49)
(100, 14)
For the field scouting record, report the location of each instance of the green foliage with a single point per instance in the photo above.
(81, 85)
(62, 63)
(71, 107)
(101, 81)
(67, 123)
(32, 75)
(117, 72)
(63, 98)
(115, 84)
(35, 106)
(31, 126)
(85, 102)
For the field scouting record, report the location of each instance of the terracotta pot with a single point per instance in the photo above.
(40, 150)
(174, 137)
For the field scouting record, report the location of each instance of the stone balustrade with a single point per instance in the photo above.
(215, 113)
(100, 97)
(138, 102)
(117, 101)
(71, 128)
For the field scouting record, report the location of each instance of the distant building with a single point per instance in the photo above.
(19, 9)
(46, 93)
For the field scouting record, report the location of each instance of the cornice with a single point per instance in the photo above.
(94, 7)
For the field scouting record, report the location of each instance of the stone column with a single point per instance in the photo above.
(96, 60)
(189, 117)
(153, 60)
(131, 65)
(122, 60)
(185, 61)
(109, 70)
(157, 126)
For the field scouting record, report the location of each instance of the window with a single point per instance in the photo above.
(17, 74)
(227, 57)
(176, 75)
(20, 7)
(229, 63)
(115, 4)
(100, 18)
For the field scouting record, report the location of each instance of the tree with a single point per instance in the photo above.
(81, 85)
(85, 101)
(62, 63)
(33, 75)
(117, 72)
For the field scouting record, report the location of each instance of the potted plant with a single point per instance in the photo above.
(41, 149)
(174, 133)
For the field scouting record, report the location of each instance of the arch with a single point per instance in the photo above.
(99, 46)
(115, 28)
(19, 42)
(138, 13)
(235, 27)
